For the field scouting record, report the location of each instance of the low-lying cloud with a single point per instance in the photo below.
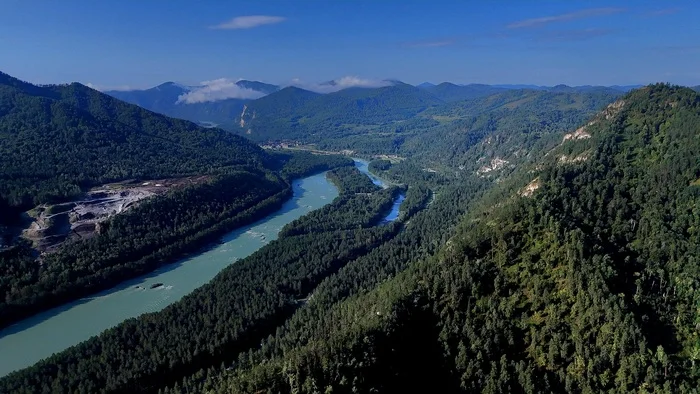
(340, 84)
(248, 22)
(216, 90)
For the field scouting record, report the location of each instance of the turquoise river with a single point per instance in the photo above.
(35, 338)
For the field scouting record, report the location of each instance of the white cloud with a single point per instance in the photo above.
(249, 22)
(545, 20)
(218, 89)
(340, 84)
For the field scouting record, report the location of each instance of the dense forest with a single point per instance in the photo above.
(135, 242)
(586, 284)
(548, 242)
(240, 307)
(58, 141)
(437, 126)
(361, 204)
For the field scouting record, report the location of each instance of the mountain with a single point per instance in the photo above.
(493, 135)
(521, 86)
(294, 113)
(583, 88)
(61, 139)
(696, 88)
(425, 85)
(575, 272)
(167, 99)
(453, 136)
(94, 191)
(257, 86)
(158, 98)
(449, 92)
(578, 268)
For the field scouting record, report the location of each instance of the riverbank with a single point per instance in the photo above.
(37, 337)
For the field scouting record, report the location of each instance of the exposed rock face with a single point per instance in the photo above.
(528, 190)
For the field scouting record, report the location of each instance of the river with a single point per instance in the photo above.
(38, 337)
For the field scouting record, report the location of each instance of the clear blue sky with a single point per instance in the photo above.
(145, 42)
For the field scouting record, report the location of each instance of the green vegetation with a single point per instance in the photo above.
(590, 285)
(361, 204)
(539, 249)
(155, 232)
(448, 136)
(297, 114)
(298, 164)
(232, 313)
(57, 141)
(350, 180)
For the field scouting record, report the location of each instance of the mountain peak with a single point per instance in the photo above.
(173, 86)
(258, 86)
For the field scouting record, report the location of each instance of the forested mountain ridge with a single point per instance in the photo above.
(570, 268)
(294, 113)
(441, 135)
(491, 136)
(488, 136)
(573, 276)
(449, 92)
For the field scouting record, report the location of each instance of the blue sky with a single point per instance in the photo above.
(143, 43)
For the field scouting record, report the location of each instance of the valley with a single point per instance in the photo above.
(348, 197)
(52, 331)
(491, 239)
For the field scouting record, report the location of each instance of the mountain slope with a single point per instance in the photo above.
(57, 140)
(262, 87)
(467, 135)
(167, 99)
(294, 113)
(585, 280)
(576, 273)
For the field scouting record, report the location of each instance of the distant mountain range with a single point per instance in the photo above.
(170, 99)
(450, 92)
(225, 106)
